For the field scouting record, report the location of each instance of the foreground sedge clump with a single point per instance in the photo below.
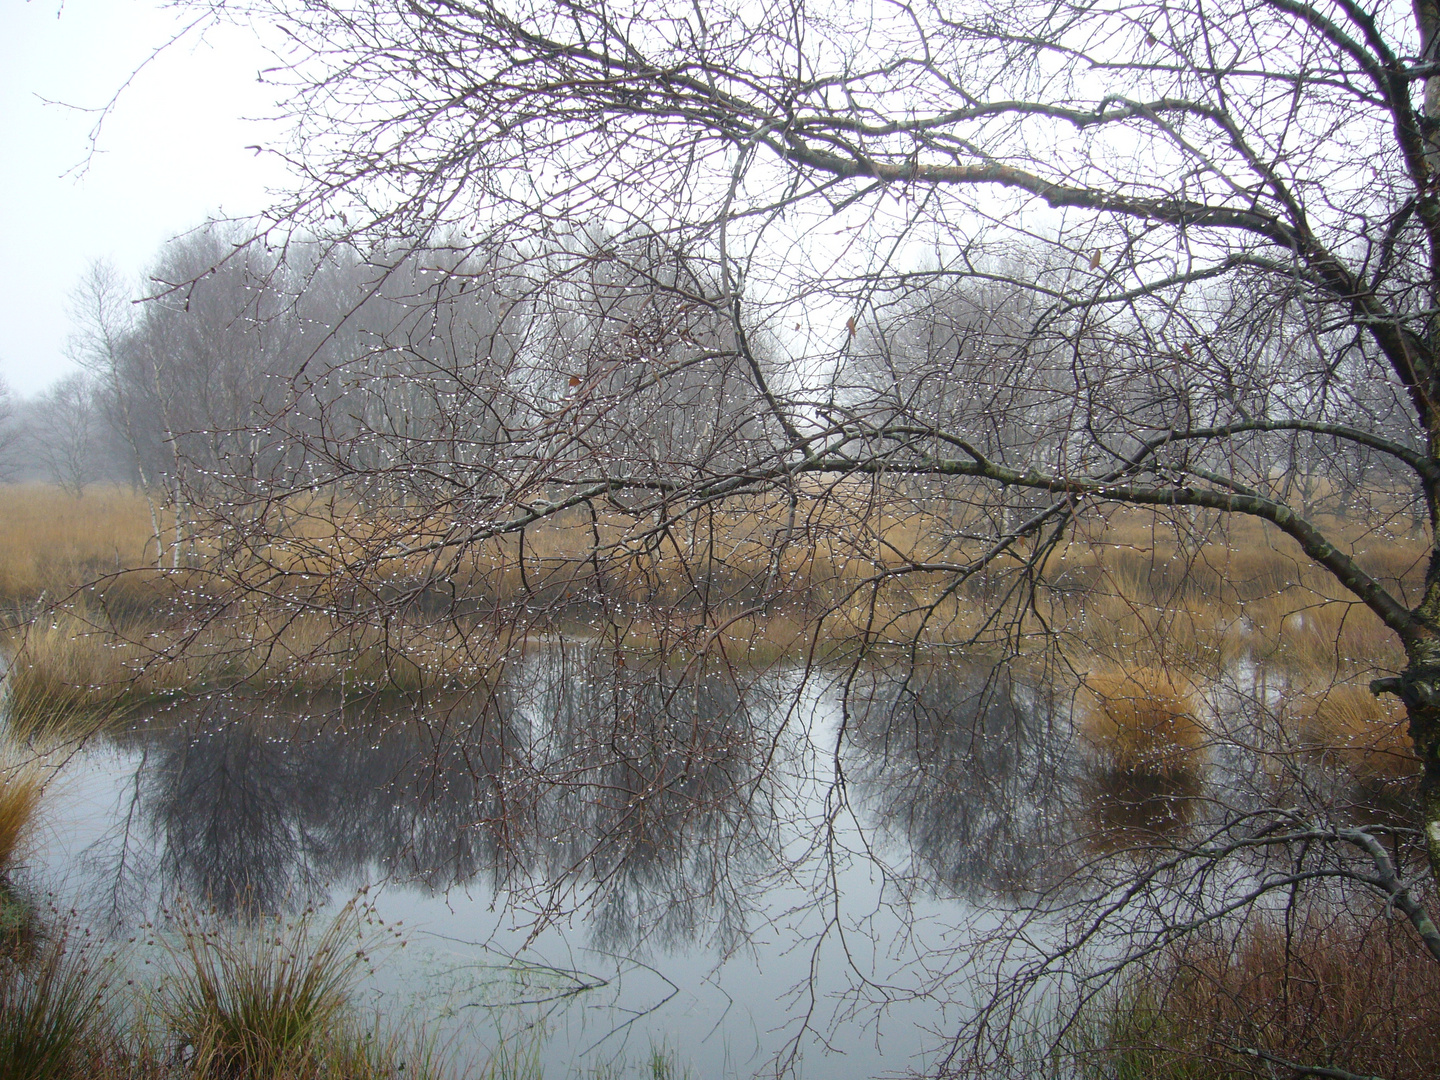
(274, 1001)
(55, 1015)
(1338, 995)
(271, 1000)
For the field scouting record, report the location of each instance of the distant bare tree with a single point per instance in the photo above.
(10, 434)
(65, 434)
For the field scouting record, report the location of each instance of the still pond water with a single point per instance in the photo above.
(597, 855)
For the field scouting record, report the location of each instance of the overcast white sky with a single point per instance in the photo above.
(172, 152)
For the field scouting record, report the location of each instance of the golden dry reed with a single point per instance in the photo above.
(1367, 735)
(51, 542)
(22, 783)
(850, 562)
(1141, 720)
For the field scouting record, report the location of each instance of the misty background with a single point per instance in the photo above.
(112, 150)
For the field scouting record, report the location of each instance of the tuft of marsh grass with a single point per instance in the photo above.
(65, 676)
(22, 785)
(519, 1057)
(267, 1001)
(1367, 735)
(55, 1020)
(22, 782)
(664, 1064)
(1140, 721)
(276, 1001)
(516, 1058)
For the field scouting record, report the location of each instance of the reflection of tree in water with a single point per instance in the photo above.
(222, 794)
(972, 768)
(981, 774)
(655, 791)
(259, 804)
(633, 789)
(421, 790)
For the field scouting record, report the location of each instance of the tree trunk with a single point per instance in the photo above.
(1427, 20)
(1419, 688)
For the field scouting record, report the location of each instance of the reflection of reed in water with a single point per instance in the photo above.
(972, 769)
(633, 789)
(1134, 809)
